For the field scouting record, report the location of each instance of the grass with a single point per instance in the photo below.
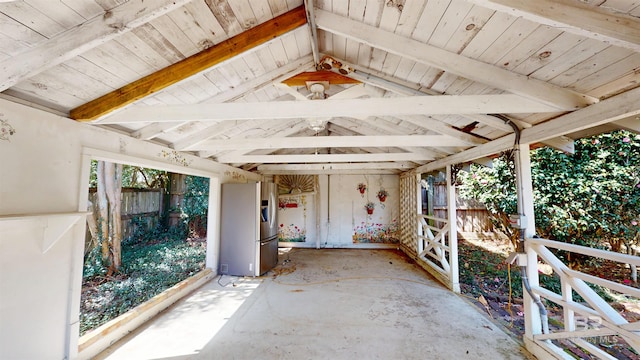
(148, 269)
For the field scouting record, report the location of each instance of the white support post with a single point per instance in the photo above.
(417, 212)
(523, 180)
(213, 225)
(453, 232)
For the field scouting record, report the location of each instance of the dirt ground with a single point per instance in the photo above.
(485, 281)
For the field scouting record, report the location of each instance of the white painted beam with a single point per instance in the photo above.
(561, 143)
(338, 125)
(79, 39)
(320, 158)
(191, 142)
(333, 172)
(442, 128)
(572, 16)
(328, 142)
(616, 108)
(292, 129)
(358, 108)
(475, 70)
(340, 166)
(631, 123)
(154, 129)
(397, 86)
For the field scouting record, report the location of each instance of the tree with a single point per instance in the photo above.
(106, 224)
(589, 198)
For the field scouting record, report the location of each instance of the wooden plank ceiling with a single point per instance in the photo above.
(333, 86)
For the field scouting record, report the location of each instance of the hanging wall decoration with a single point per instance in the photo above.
(6, 130)
(382, 195)
(295, 184)
(369, 207)
(362, 187)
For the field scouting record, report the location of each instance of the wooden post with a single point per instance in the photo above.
(417, 212)
(523, 180)
(453, 232)
(213, 225)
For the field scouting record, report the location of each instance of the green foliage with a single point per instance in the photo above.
(133, 177)
(147, 271)
(591, 195)
(495, 188)
(196, 205)
(588, 198)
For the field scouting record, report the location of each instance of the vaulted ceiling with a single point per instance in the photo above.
(285, 86)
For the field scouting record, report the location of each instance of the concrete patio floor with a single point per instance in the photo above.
(322, 304)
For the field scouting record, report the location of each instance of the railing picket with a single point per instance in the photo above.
(608, 321)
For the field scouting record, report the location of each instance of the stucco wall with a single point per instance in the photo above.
(42, 168)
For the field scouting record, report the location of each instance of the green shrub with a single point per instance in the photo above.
(147, 271)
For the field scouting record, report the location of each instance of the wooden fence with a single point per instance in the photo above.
(472, 216)
(139, 207)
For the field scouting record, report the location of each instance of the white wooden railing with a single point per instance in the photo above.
(593, 319)
(434, 247)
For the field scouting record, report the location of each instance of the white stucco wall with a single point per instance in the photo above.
(44, 170)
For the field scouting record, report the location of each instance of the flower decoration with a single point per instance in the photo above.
(369, 206)
(382, 195)
(6, 130)
(362, 187)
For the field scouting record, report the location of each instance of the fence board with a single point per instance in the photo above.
(138, 207)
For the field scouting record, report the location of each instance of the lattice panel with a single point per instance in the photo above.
(408, 212)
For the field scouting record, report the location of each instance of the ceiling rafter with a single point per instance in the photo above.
(348, 127)
(397, 86)
(321, 158)
(358, 108)
(562, 99)
(292, 128)
(82, 38)
(331, 168)
(590, 21)
(190, 66)
(616, 108)
(300, 142)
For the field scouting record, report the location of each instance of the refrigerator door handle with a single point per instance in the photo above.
(272, 216)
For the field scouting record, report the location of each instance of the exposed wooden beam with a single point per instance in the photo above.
(192, 141)
(562, 99)
(442, 128)
(320, 158)
(272, 168)
(291, 129)
(631, 124)
(354, 171)
(338, 125)
(191, 66)
(301, 142)
(82, 38)
(401, 87)
(612, 109)
(262, 81)
(358, 108)
(154, 129)
(572, 16)
(331, 77)
(561, 143)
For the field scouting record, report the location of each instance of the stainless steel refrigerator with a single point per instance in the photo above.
(248, 229)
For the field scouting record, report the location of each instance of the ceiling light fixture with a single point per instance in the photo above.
(327, 63)
(317, 124)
